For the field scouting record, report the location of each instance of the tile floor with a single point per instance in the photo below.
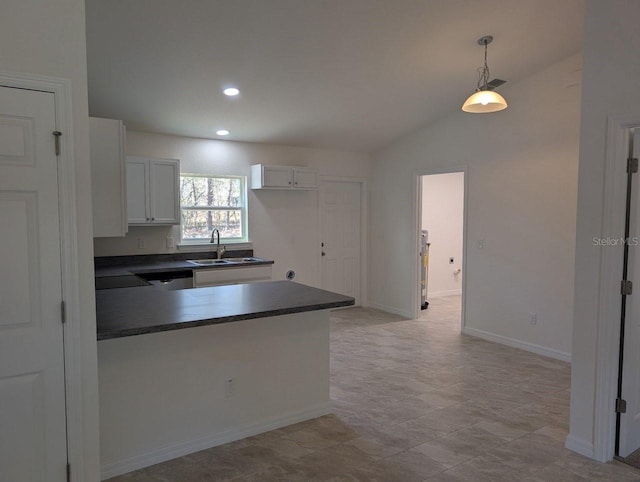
(414, 400)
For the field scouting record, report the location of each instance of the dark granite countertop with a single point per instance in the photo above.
(135, 311)
(143, 264)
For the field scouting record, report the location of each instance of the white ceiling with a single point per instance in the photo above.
(341, 74)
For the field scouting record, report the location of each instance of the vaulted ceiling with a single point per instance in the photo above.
(340, 74)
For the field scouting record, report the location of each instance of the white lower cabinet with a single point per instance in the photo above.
(232, 275)
(153, 191)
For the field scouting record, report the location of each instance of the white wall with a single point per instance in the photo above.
(522, 180)
(154, 407)
(611, 73)
(48, 38)
(442, 216)
(283, 225)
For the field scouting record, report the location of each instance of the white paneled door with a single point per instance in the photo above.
(340, 217)
(33, 444)
(630, 421)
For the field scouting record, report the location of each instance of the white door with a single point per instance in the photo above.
(630, 421)
(32, 387)
(340, 215)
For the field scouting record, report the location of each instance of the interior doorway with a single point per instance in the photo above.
(441, 226)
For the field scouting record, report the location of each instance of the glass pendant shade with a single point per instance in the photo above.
(484, 101)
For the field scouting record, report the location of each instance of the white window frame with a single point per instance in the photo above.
(243, 208)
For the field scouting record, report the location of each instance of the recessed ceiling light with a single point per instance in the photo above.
(222, 132)
(231, 91)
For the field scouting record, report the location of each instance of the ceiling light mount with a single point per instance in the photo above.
(486, 40)
(485, 100)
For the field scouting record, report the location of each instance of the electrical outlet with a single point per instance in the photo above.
(451, 260)
(480, 243)
(229, 387)
(533, 318)
(171, 243)
(141, 243)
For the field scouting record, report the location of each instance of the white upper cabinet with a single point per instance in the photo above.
(284, 177)
(305, 178)
(108, 177)
(153, 191)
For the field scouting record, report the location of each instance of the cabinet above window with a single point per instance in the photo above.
(284, 177)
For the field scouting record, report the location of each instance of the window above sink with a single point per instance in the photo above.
(210, 202)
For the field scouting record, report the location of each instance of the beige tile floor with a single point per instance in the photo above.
(414, 400)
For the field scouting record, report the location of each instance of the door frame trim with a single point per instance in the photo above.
(78, 444)
(364, 228)
(608, 338)
(417, 220)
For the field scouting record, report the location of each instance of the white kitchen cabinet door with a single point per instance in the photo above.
(271, 177)
(164, 176)
(276, 176)
(108, 177)
(153, 191)
(138, 191)
(305, 178)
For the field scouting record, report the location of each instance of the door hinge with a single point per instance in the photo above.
(68, 472)
(621, 405)
(632, 165)
(63, 311)
(56, 135)
(626, 287)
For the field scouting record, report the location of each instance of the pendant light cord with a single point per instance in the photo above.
(483, 72)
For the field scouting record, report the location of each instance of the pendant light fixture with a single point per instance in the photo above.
(485, 99)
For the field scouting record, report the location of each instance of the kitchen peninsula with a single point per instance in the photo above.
(184, 370)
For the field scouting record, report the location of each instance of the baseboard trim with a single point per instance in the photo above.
(390, 309)
(444, 294)
(523, 345)
(580, 446)
(178, 450)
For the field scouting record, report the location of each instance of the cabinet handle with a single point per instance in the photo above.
(148, 219)
(153, 219)
(323, 253)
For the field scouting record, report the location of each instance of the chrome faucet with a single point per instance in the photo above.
(219, 251)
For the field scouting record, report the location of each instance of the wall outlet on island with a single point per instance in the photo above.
(171, 242)
(533, 318)
(229, 387)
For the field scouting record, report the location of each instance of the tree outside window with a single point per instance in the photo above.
(212, 202)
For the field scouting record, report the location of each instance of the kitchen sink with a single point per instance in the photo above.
(243, 260)
(207, 262)
(214, 262)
